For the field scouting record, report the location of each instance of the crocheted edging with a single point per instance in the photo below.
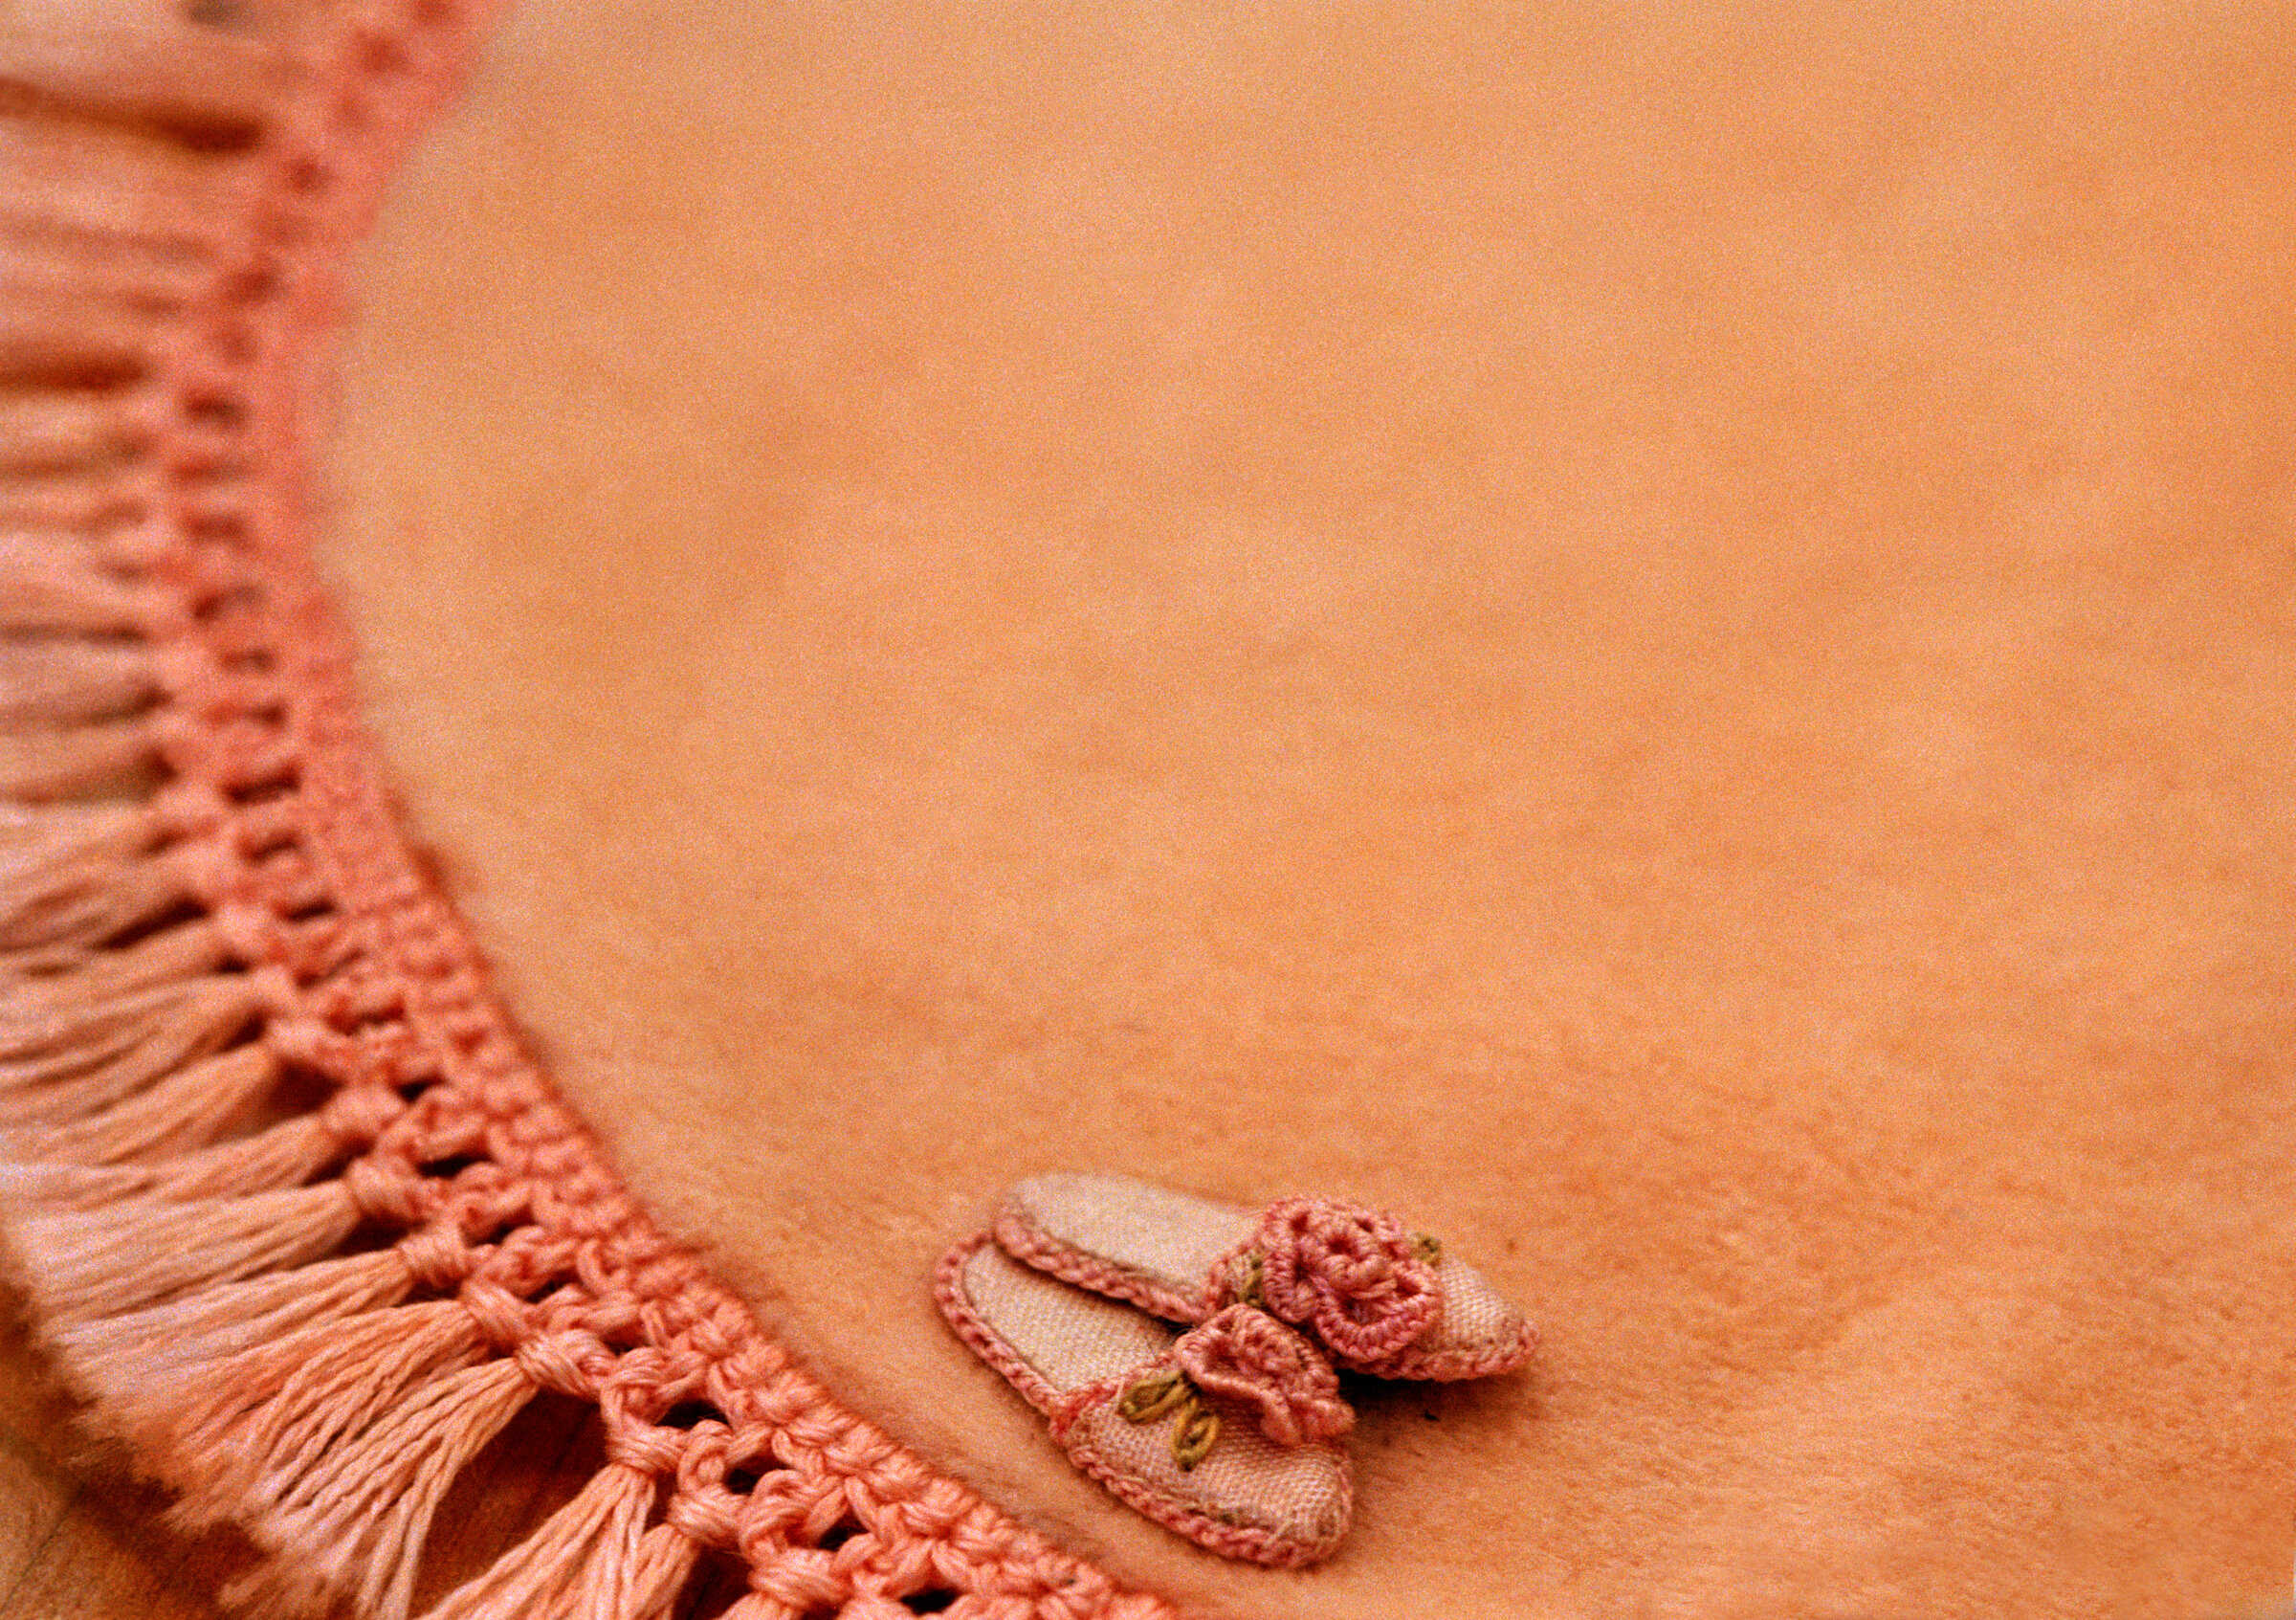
(292, 1205)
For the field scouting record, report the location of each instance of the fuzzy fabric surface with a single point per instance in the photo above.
(284, 1196)
(1662, 638)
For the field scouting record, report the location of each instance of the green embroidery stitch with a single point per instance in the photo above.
(1161, 1394)
(1254, 1266)
(1193, 1440)
(1427, 1247)
(1154, 1396)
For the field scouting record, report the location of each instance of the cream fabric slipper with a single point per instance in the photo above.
(1173, 1441)
(1382, 1298)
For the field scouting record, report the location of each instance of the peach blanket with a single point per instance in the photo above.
(1661, 638)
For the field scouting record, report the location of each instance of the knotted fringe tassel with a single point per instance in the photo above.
(48, 684)
(286, 1155)
(257, 1427)
(146, 1366)
(317, 1411)
(592, 1560)
(187, 1108)
(356, 1522)
(63, 1065)
(62, 765)
(183, 1253)
(84, 1264)
(57, 433)
(665, 1563)
(74, 878)
(62, 586)
(73, 976)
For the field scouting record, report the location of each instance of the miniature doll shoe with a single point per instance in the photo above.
(1225, 1434)
(1382, 1300)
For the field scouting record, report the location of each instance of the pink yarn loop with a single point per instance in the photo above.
(1247, 1354)
(1351, 1273)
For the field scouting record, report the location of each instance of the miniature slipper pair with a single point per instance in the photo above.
(1228, 1432)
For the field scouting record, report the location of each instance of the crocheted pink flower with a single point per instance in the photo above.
(1249, 1356)
(1350, 1273)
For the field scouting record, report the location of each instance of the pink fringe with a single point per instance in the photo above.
(187, 1108)
(148, 1366)
(356, 1522)
(73, 683)
(52, 586)
(190, 950)
(659, 1571)
(585, 1559)
(65, 1067)
(107, 1262)
(256, 1426)
(70, 880)
(286, 1155)
(244, 1044)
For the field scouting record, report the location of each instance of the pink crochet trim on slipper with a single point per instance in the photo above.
(1121, 1398)
(1383, 1299)
(290, 1200)
(1068, 1295)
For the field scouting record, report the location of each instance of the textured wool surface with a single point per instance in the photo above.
(1661, 638)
